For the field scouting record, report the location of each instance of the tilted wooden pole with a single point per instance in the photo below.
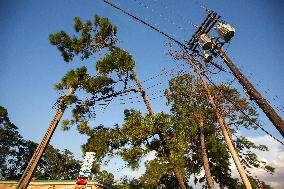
(27, 175)
(223, 124)
(256, 96)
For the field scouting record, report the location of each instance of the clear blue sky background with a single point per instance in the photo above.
(29, 65)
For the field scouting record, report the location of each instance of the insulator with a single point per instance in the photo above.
(208, 57)
(225, 31)
(205, 42)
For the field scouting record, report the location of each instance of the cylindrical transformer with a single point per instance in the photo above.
(205, 42)
(225, 31)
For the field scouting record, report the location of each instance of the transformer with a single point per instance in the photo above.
(225, 31)
(205, 42)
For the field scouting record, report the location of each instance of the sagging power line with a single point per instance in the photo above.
(211, 19)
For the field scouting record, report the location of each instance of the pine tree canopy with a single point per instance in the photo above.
(113, 68)
(90, 38)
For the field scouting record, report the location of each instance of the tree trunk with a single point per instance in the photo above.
(27, 175)
(179, 177)
(221, 185)
(206, 166)
(151, 112)
(143, 94)
(223, 129)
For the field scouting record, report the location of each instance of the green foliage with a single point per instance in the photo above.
(159, 175)
(57, 165)
(118, 60)
(255, 182)
(138, 136)
(65, 125)
(84, 128)
(156, 133)
(95, 85)
(11, 146)
(16, 152)
(68, 100)
(136, 128)
(133, 156)
(80, 79)
(155, 169)
(175, 137)
(188, 100)
(99, 142)
(104, 177)
(126, 183)
(91, 37)
(72, 79)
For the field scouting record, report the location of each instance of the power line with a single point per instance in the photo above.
(166, 73)
(266, 90)
(156, 29)
(144, 5)
(148, 95)
(145, 23)
(136, 101)
(247, 116)
(186, 48)
(179, 15)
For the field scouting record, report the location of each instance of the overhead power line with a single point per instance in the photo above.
(247, 116)
(186, 49)
(144, 5)
(145, 23)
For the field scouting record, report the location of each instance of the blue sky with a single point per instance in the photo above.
(30, 66)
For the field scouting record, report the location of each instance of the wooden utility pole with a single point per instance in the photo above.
(223, 124)
(27, 175)
(214, 45)
(256, 96)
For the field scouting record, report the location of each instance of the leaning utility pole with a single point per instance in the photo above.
(27, 175)
(212, 47)
(263, 104)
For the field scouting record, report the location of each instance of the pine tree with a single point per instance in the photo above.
(188, 99)
(115, 69)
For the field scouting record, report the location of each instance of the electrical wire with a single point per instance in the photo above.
(247, 116)
(266, 91)
(202, 5)
(178, 15)
(166, 73)
(183, 46)
(145, 23)
(160, 15)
